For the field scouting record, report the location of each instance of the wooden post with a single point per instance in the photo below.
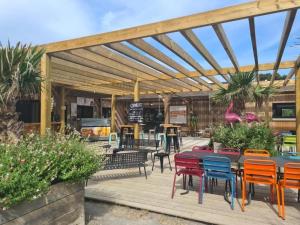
(45, 95)
(113, 114)
(166, 100)
(297, 88)
(136, 98)
(62, 109)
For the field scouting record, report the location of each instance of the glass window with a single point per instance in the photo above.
(284, 110)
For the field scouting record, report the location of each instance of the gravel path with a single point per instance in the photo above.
(99, 213)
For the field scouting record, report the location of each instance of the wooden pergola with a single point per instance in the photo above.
(108, 63)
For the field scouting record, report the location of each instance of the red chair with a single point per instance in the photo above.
(205, 148)
(188, 166)
(291, 179)
(232, 151)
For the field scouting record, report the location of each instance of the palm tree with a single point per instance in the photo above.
(242, 89)
(19, 77)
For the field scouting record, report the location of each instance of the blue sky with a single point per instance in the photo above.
(43, 21)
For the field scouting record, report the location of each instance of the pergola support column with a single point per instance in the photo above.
(166, 100)
(45, 95)
(297, 89)
(62, 109)
(113, 114)
(136, 98)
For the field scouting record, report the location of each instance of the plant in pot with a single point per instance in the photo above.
(38, 175)
(44, 175)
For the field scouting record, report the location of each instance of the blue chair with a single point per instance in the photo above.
(219, 167)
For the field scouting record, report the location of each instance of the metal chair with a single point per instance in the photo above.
(233, 151)
(219, 168)
(188, 167)
(290, 142)
(291, 179)
(257, 171)
(257, 152)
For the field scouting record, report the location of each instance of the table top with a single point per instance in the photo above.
(126, 126)
(237, 159)
(279, 160)
(201, 155)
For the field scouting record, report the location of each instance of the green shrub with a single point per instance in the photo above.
(29, 168)
(243, 136)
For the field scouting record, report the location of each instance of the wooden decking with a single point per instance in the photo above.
(127, 187)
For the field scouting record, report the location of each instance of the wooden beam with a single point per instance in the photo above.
(86, 71)
(289, 20)
(62, 110)
(181, 53)
(254, 46)
(95, 65)
(191, 37)
(141, 44)
(113, 113)
(106, 52)
(45, 95)
(231, 13)
(123, 49)
(136, 98)
(292, 72)
(90, 87)
(111, 63)
(226, 45)
(297, 108)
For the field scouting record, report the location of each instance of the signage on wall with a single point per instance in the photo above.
(178, 114)
(135, 114)
(85, 101)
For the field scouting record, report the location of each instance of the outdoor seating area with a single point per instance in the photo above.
(209, 186)
(195, 117)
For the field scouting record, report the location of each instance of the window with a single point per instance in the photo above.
(284, 110)
(84, 111)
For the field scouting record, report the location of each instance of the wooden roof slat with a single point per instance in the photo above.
(254, 46)
(106, 52)
(123, 49)
(226, 45)
(92, 64)
(88, 87)
(292, 72)
(87, 71)
(191, 37)
(141, 44)
(111, 63)
(180, 52)
(231, 13)
(289, 20)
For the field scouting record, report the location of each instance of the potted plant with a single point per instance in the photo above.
(42, 179)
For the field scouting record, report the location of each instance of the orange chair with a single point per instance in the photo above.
(257, 152)
(291, 179)
(257, 171)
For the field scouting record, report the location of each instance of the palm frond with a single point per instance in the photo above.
(19, 72)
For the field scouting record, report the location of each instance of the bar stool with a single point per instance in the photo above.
(172, 137)
(151, 132)
(113, 136)
(129, 140)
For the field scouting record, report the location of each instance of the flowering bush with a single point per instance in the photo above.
(243, 136)
(28, 168)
